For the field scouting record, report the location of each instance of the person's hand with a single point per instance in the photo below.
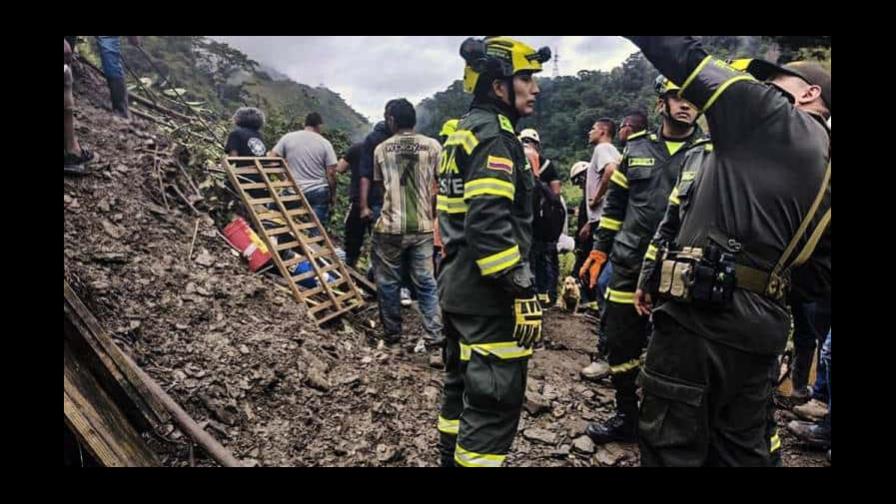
(585, 232)
(643, 303)
(592, 267)
(366, 214)
(134, 40)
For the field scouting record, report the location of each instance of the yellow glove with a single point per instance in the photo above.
(528, 315)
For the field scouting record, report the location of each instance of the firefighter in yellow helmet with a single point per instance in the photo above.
(492, 317)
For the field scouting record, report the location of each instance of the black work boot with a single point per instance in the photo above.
(620, 427)
(119, 92)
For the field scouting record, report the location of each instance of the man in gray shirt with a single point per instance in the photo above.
(312, 161)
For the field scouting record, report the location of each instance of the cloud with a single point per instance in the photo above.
(370, 70)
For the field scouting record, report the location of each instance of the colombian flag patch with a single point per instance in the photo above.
(500, 164)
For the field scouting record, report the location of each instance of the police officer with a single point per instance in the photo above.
(761, 199)
(636, 202)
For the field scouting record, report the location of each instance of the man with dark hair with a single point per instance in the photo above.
(405, 167)
(245, 140)
(633, 122)
(355, 227)
(312, 161)
(314, 120)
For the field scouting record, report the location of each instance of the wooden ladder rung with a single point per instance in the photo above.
(290, 197)
(246, 171)
(331, 316)
(312, 273)
(287, 245)
(278, 231)
(326, 304)
(297, 211)
(261, 201)
(270, 216)
(311, 292)
(295, 260)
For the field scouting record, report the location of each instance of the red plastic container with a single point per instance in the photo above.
(246, 241)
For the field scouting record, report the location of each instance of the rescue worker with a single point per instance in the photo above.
(491, 315)
(759, 205)
(636, 202)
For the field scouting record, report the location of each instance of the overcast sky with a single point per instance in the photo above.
(369, 70)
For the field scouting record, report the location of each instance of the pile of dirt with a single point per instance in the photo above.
(241, 356)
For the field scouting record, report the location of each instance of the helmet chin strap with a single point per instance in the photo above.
(677, 122)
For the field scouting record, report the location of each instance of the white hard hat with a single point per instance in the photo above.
(578, 168)
(531, 134)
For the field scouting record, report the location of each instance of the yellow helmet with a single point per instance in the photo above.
(499, 57)
(664, 86)
(449, 127)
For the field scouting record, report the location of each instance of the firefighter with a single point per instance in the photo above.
(636, 202)
(492, 317)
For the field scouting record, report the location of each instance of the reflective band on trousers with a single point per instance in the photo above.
(611, 224)
(776, 443)
(450, 205)
(503, 350)
(488, 187)
(499, 262)
(448, 426)
(622, 297)
(467, 458)
(625, 366)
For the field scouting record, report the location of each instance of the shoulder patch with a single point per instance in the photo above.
(505, 124)
(500, 164)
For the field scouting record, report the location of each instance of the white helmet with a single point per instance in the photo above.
(578, 169)
(530, 134)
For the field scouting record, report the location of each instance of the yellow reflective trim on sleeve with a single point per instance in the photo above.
(499, 262)
(776, 443)
(625, 367)
(448, 426)
(488, 187)
(450, 205)
(723, 87)
(619, 178)
(621, 297)
(463, 138)
(611, 224)
(466, 351)
(651, 252)
(467, 458)
(690, 79)
(673, 198)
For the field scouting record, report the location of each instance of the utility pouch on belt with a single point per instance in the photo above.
(700, 275)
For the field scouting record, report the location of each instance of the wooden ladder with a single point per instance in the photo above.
(279, 209)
